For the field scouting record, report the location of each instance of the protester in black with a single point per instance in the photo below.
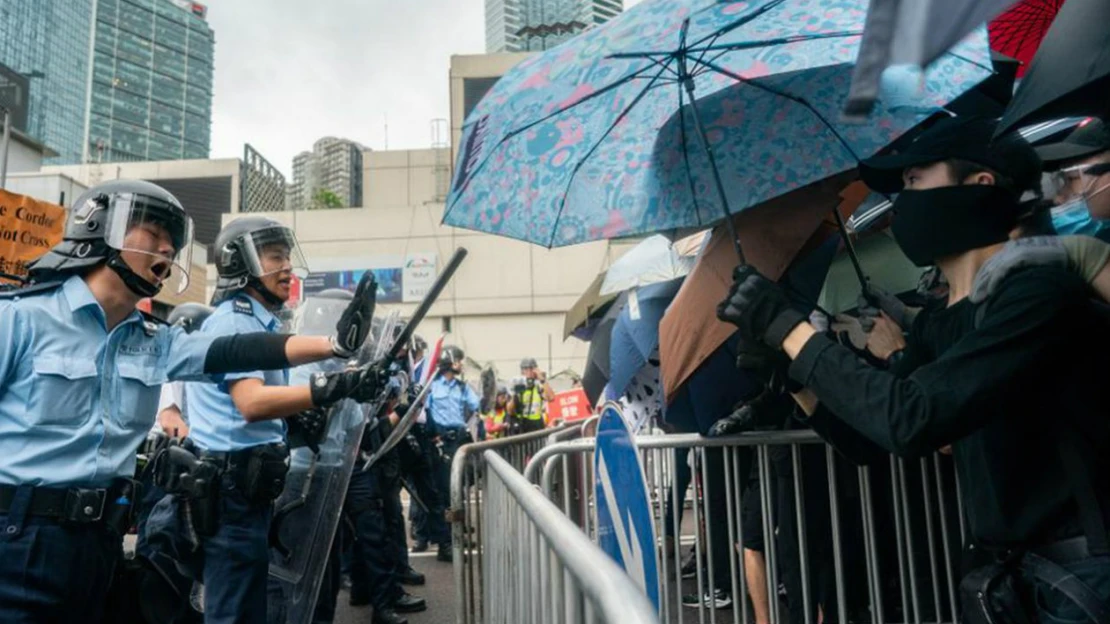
(1014, 385)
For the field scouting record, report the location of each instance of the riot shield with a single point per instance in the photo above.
(307, 514)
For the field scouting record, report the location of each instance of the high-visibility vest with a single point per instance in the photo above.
(492, 418)
(532, 405)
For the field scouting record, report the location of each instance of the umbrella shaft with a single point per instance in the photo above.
(688, 82)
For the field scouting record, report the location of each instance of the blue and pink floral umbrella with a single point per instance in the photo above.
(599, 137)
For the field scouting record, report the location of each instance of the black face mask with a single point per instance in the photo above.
(947, 221)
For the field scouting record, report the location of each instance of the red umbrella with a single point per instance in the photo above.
(1018, 32)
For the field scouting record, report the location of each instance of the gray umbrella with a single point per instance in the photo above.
(914, 32)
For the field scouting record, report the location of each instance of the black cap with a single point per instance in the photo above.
(1090, 138)
(963, 138)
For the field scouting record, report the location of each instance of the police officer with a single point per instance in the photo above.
(451, 402)
(531, 397)
(237, 424)
(380, 558)
(80, 372)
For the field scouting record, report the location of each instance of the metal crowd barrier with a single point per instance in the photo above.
(468, 479)
(849, 544)
(538, 567)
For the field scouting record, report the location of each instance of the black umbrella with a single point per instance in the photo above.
(990, 97)
(1070, 74)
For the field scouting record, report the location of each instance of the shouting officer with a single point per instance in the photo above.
(450, 403)
(237, 423)
(80, 373)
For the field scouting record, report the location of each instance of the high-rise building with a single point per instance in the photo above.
(113, 80)
(151, 93)
(51, 39)
(534, 25)
(330, 176)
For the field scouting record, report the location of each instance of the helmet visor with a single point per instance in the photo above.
(273, 250)
(156, 229)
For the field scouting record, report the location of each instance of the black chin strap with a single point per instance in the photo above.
(270, 297)
(136, 284)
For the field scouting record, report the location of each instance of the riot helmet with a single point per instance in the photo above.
(189, 316)
(251, 248)
(451, 359)
(124, 217)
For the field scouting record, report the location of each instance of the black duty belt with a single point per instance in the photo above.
(77, 505)
(454, 434)
(227, 459)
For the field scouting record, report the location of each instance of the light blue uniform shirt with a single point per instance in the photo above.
(447, 400)
(215, 424)
(77, 400)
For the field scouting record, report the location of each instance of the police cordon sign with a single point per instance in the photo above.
(28, 228)
(624, 527)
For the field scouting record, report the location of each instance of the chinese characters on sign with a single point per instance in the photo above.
(569, 405)
(419, 275)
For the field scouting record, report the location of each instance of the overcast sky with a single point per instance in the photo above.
(288, 72)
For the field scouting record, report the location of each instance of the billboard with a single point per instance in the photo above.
(389, 282)
(401, 279)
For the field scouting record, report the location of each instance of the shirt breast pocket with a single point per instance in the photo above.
(140, 388)
(66, 391)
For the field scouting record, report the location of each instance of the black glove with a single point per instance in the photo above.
(769, 366)
(308, 428)
(759, 308)
(354, 325)
(763, 412)
(361, 385)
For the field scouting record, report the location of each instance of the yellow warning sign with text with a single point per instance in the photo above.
(28, 227)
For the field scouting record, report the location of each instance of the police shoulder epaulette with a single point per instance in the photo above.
(151, 323)
(27, 291)
(242, 306)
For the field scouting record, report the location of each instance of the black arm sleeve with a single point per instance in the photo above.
(246, 352)
(1023, 332)
(844, 439)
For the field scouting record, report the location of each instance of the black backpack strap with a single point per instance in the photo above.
(1058, 578)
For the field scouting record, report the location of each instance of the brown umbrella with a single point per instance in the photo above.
(771, 235)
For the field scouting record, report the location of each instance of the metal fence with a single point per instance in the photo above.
(846, 543)
(468, 479)
(539, 567)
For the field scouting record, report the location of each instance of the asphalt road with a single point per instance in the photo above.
(439, 592)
